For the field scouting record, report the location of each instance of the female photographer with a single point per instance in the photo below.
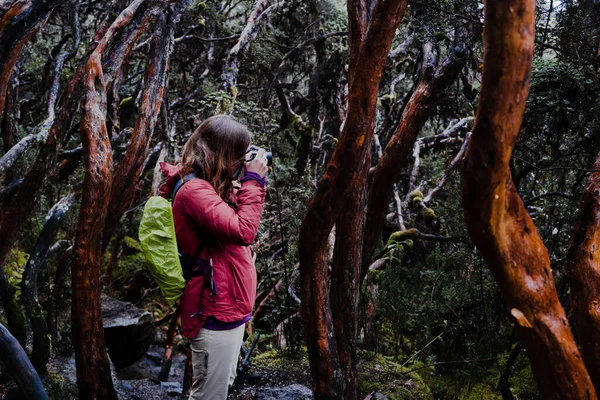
(215, 224)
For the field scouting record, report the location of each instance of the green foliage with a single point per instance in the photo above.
(15, 266)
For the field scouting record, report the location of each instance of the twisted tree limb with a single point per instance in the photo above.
(155, 77)
(453, 164)
(584, 273)
(341, 181)
(29, 294)
(118, 57)
(495, 217)
(14, 152)
(18, 365)
(17, 210)
(230, 71)
(94, 379)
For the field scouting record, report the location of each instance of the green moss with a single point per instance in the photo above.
(127, 102)
(132, 244)
(368, 387)
(384, 375)
(483, 390)
(387, 100)
(416, 197)
(14, 267)
(416, 193)
(429, 215)
(58, 387)
(403, 236)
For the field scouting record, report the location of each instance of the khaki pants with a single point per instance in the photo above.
(214, 358)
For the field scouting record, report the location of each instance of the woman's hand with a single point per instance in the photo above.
(259, 164)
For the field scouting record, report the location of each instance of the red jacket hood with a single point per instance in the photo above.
(171, 172)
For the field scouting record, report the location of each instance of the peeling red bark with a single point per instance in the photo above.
(16, 213)
(496, 219)
(115, 61)
(155, 78)
(94, 379)
(345, 277)
(584, 271)
(341, 175)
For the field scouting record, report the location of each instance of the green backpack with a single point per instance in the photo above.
(158, 241)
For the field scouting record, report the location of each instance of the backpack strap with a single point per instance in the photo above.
(180, 183)
(187, 269)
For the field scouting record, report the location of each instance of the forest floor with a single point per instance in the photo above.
(270, 370)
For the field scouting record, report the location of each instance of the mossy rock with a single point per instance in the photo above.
(381, 374)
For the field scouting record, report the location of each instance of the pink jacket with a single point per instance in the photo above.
(200, 213)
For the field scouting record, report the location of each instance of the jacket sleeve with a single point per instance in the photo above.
(216, 218)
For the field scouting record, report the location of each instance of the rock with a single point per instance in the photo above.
(379, 396)
(145, 367)
(171, 388)
(291, 392)
(128, 331)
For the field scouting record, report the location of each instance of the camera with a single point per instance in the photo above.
(253, 151)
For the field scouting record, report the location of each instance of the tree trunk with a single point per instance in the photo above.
(495, 217)
(29, 296)
(342, 173)
(345, 278)
(14, 215)
(130, 168)
(94, 379)
(584, 274)
(232, 65)
(17, 364)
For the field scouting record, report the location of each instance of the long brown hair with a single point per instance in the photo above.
(213, 148)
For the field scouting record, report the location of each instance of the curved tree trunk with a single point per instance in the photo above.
(584, 271)
(345, 277)
(15, 214)
(155, 78)
(495, 216)
(342, 174)
(18, 365)
(29, 296)
(94, 379)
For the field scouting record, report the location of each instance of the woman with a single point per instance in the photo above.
(218, 224)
